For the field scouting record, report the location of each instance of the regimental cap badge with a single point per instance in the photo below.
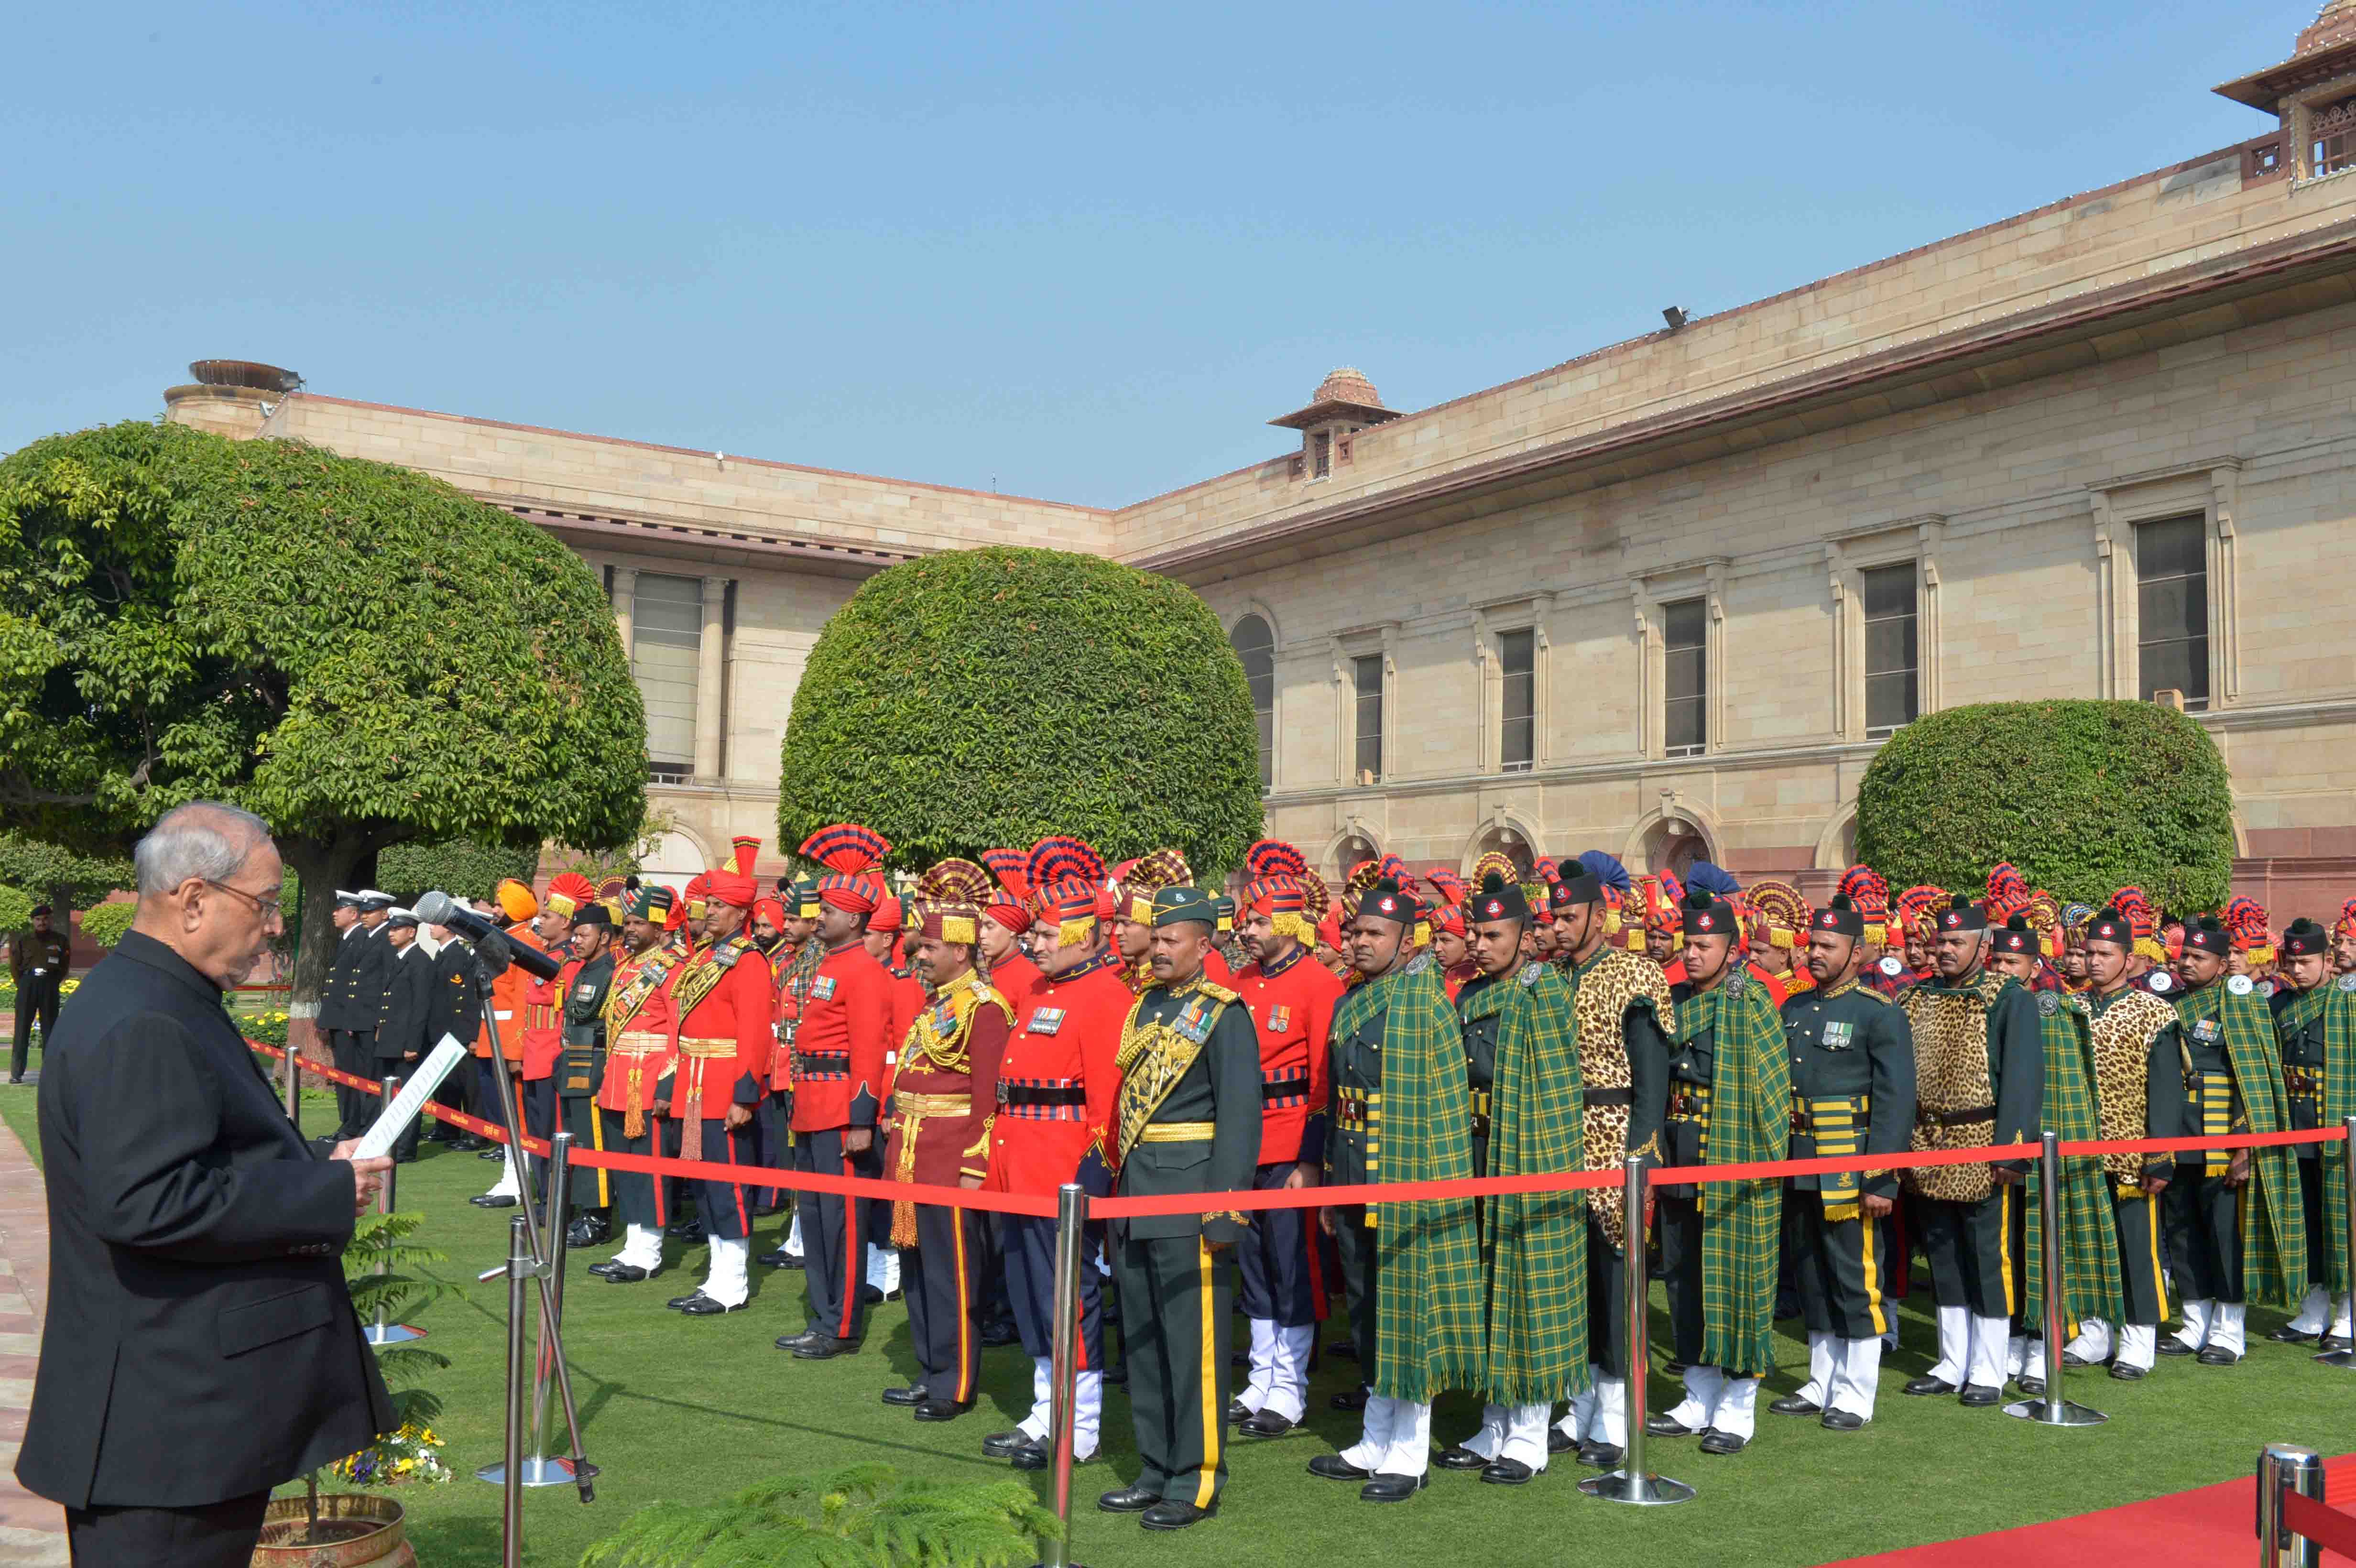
(2049, 1003)
(2240, 984)
(1890, 965)
(2348, 981)
(1387, 904)
(1704, 922)
(2161, 980)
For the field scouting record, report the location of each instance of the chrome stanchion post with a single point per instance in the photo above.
(2052, 1410)
(520, 1268)
(383, 1332)
(1633, 1482)
(2346, 1358)
(2284, 1467)
(293, 1083)
(1071, 1231)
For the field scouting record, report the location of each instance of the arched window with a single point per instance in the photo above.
(1255, 644)
(1353, 851)
(1514, 846)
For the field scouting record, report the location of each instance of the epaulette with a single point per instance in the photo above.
(1217, 992)
(727, 953)
(1869, 991)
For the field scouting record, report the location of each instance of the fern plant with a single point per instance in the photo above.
(868, 1516)
(381, 1239)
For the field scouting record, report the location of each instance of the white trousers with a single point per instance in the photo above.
(1972, 1352)
(1088, 1408)
(724, 1278)
(1715, 1400)
(2092, 1344)
(1843, 1374)
(1395, 1439)
(507, 1185)
(1513, 1432)
(642, 1248)
(2316, 1314)
(1600, 1414)
(1279, 1369)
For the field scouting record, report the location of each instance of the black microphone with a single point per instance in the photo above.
(491, 944)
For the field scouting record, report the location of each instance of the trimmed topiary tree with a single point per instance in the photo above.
(105, 923)
(461, 868)
(356, 652)
(2084, 796)
(993, 696)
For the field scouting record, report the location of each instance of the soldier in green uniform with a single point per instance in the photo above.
(581, 1069)
(2298, 1002)
(2226, 1247)
(1188, 1121)
(1852, 1093)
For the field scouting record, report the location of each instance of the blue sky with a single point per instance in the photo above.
(1080, 253)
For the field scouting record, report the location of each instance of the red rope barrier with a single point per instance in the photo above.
(2319, 1523)
(1326, 1197)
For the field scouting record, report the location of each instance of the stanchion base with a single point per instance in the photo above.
(2069, 1414)
(536, 1472)
(390, 1333)
(2338, 1358)
(1644, 1491)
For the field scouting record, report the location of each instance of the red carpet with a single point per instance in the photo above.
(2199, 1529)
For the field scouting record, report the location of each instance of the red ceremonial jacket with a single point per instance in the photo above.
(1293, 1010)
(725, 1013)
(641, 1030)
(1057, 1085)
(940, 1114)
(840, 1041)
(1014, 978)
(1219, 971)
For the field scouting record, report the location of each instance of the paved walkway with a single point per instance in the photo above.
(32, 1530)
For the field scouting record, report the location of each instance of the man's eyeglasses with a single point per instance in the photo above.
(265, 908)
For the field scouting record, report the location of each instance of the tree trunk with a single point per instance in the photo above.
(347, 861)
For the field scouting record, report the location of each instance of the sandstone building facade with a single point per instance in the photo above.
(1665, 599)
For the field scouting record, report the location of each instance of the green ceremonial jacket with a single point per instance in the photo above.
(2225, 1027)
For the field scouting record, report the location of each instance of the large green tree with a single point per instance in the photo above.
(2086, 798)
(356, 652)
(63, 878)
(991, 697)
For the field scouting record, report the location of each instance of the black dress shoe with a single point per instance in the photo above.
(1792, 1405)
(2071, 1358)
(1348, 1399)
(676, 1302)
(626, 1274)
(1506, 1473)
(1345, 1349)
(493, 1200)
(824, 1348)
(1034, 1457)
(2218, 1355)
(2287, 1335)
(702, 1306)
(493, 1151)
(1117, 1376)
(995, 1335)
(2169, 1345)
(1267, 1424)
(1715, 1442)
(1167, 1515)
(1924, 1386)
(1841, 1421)
(2330, 1343)
(911, 1395)
(1003, 1444)
(1601, 1455)
(1128, 1500)
(1666, 1426)
(942, 1409)
(1979, 1396)
(1383, 1488)
(1558, 1441)
(2127, 1374)
(1456, 1457)
(1237, 1411)
(780, 1258)
(2033, 1387)
(1333, 1467)
(795, 1341)
(587, 1232)
(604, 1270)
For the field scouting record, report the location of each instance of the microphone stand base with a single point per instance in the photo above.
(536, 1472)
(391, 1333)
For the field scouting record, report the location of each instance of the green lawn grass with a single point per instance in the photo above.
(695, 1408)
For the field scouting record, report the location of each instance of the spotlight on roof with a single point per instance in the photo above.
(1674, 316)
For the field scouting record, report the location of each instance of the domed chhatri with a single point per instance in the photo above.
(1349, 384)
(2335, 23)
(1343, 394)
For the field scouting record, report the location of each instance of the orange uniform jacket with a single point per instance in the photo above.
(543, 1022)
(726, 1014)
(506, 1002)
(1057, 1085)
(641, 1030)
(1293, 1010)
(840, 1041)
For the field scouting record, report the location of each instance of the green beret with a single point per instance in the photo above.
(1173, 906)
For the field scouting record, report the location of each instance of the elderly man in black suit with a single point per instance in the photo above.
(200, 1346)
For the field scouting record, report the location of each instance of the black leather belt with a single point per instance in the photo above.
(1609, 1096)
(1013, 1094)
(1955, 1119)
(1291, 1088)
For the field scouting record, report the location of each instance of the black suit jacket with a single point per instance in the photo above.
(336, 991)
(200, 1344)
(409, 1005)
(458, 1007)
(372, 981)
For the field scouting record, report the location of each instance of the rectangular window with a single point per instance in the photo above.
(665, 649)
(1518, 736)
(2172, 608)
(1893, 691)
(1368, 674)
(1320, 454)
(1685, 640)
(2331, 146)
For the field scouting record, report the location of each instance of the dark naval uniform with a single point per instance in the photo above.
(1188, 1121)
(1852, 1093)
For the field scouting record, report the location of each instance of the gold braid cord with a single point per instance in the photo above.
(1951, 1074)
(1153, 1057)
(1605, 992)
(2123, 1038)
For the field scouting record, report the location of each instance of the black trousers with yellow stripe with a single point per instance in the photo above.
(1970, 1246)
(942, 1277)
(1174, 1299)
(1837, 1265)
(2141, 1227)
(591, 1188)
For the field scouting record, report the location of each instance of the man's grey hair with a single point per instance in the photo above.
(204, 840)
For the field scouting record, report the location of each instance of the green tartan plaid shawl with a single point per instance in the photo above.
(1535, 1244)
(2274, 1234)
(1741, 1221)
(1428, 1253)
(2338, 1104)
(2089, 1241)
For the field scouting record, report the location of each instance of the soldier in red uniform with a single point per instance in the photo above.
(641, 1050)
(726, 1011)
(1057, 1089)
(777, 1106)
(840, 1043)
(1006, 919)
(1133, 885)
(543, 1014)
(1290, 1000)
(942, 1095)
